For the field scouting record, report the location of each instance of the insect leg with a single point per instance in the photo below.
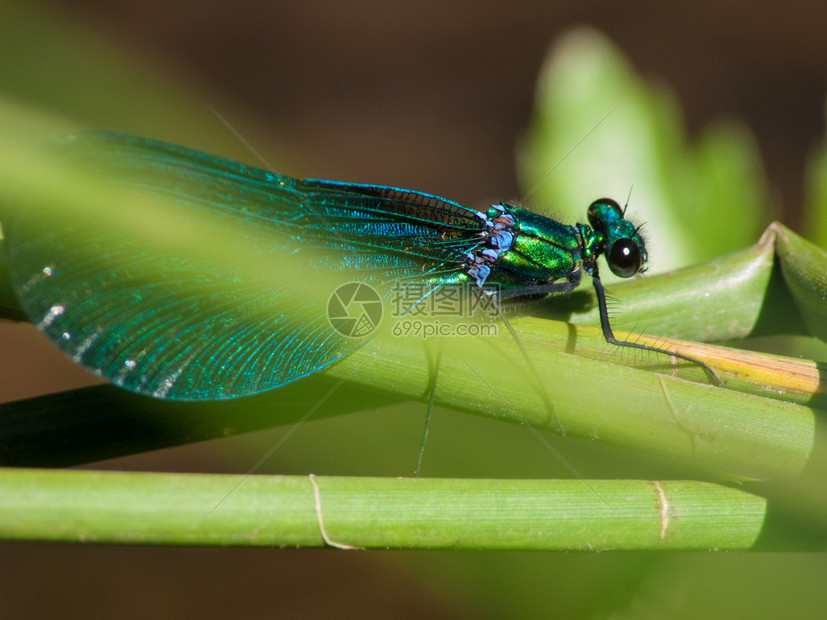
(608, 334)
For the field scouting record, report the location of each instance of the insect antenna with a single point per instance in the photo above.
(628, 196)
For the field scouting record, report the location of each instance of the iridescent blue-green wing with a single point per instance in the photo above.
(187, 276)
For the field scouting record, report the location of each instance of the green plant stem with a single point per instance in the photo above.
(141, 508)
(712, 427)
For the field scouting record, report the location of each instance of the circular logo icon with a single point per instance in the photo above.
(354, 310)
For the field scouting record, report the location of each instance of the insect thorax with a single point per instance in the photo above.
(519, 247)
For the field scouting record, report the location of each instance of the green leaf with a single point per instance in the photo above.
(741, 429)
(697, 198)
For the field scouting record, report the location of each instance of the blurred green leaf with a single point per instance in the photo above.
(698, 198)
(59, 76)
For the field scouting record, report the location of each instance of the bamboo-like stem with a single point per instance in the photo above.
(422, 513)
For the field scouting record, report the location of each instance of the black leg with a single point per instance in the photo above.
(608, 334)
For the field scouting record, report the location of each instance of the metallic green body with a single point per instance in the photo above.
(543, 249)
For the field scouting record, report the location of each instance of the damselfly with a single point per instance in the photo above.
(188, 276)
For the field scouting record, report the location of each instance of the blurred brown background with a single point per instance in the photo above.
(430, 95)
(434, 94)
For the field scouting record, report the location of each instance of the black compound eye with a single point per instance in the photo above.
(624, 258)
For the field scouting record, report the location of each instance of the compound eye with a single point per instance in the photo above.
(624, 258)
